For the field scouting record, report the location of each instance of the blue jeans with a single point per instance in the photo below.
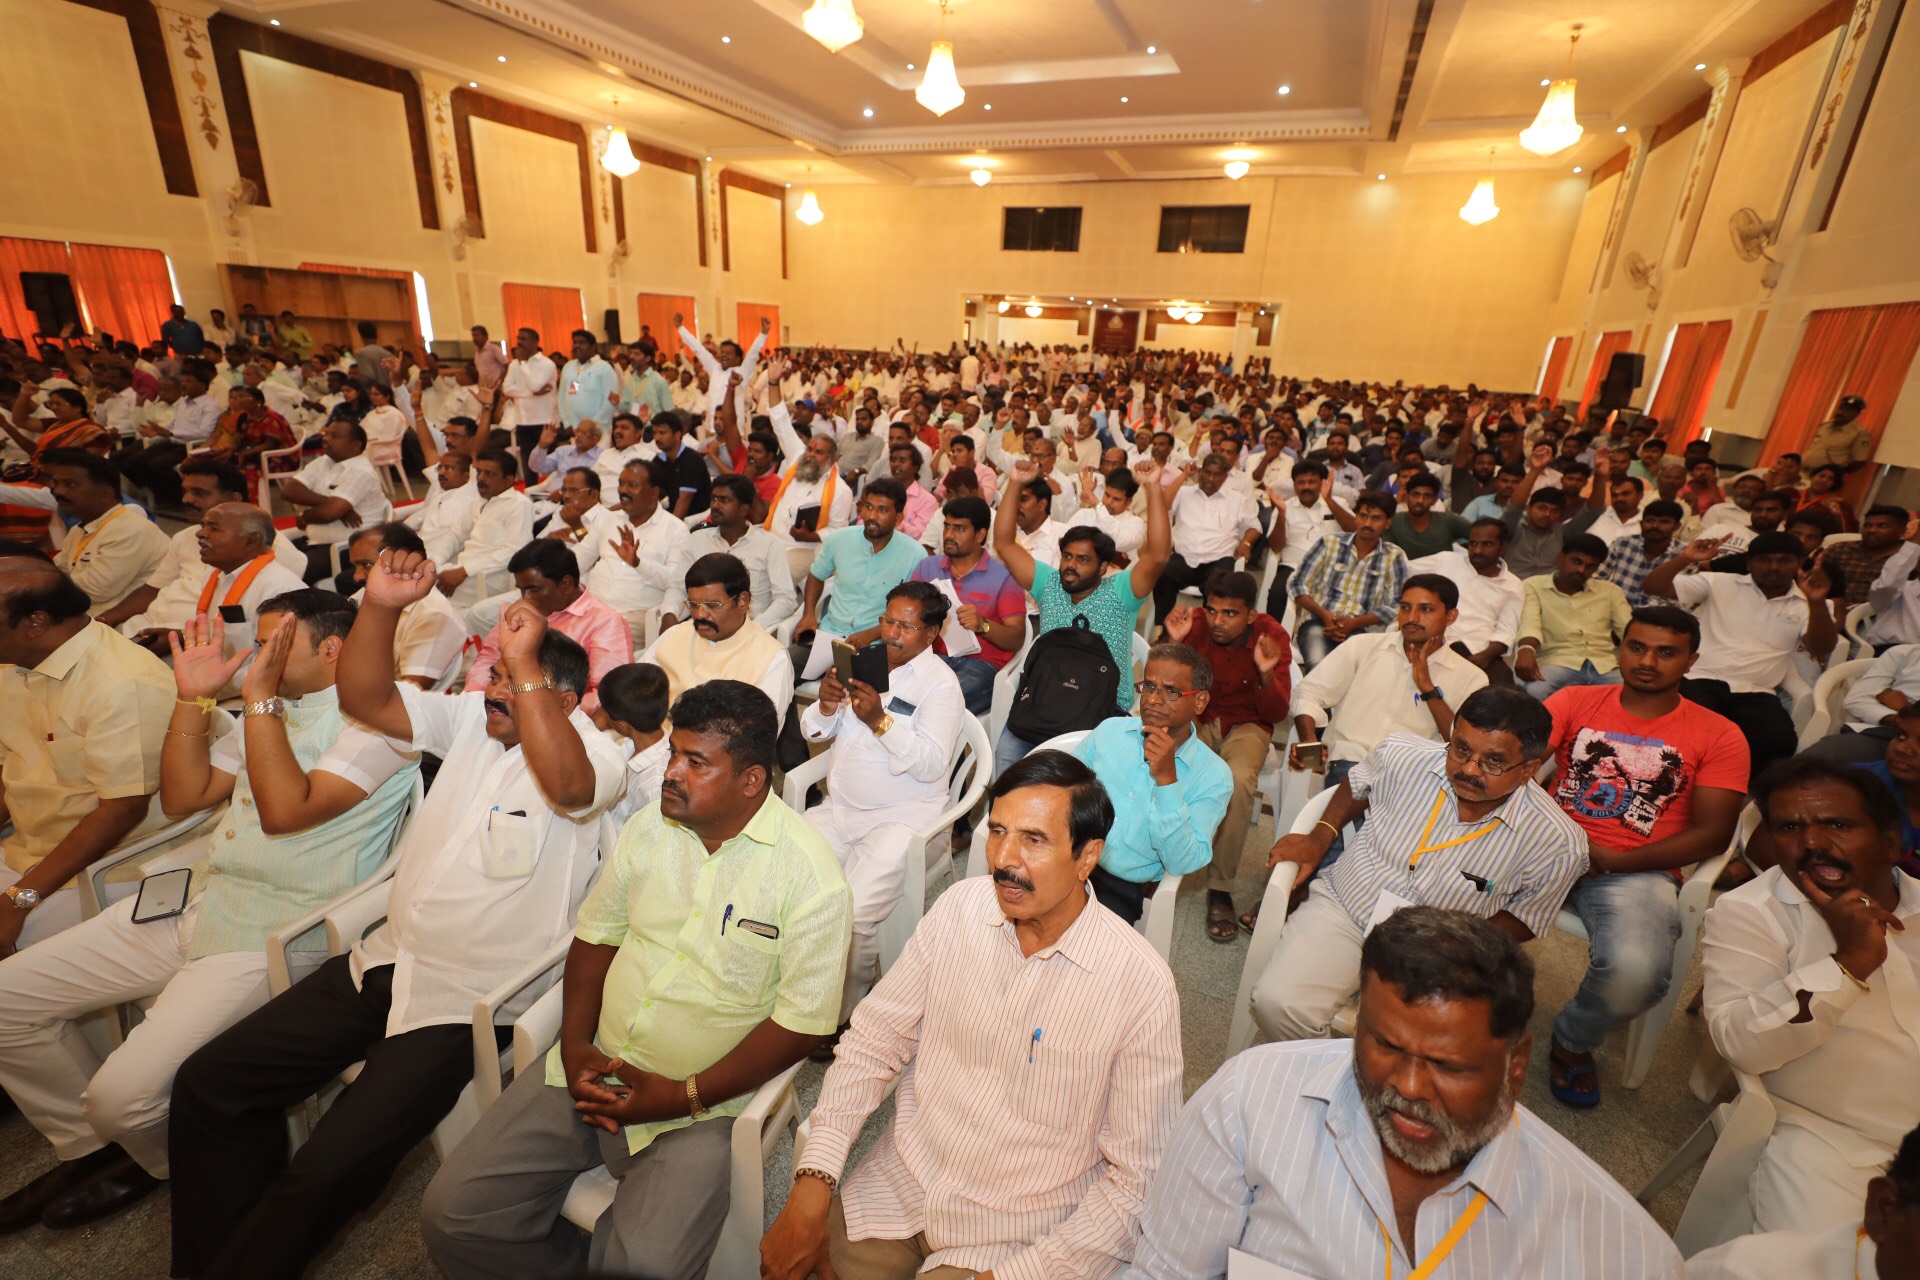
(1553, 679)
(1633, 922)
(976, 681)
(1337, 771)
(1310, 642)
(1008, 750)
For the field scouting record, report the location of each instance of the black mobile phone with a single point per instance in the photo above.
(232, 613)
(870, 666)
(162, 895)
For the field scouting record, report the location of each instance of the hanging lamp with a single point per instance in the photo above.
(940, 90)
(1555, 128)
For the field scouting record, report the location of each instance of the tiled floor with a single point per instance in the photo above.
(1630, 1136)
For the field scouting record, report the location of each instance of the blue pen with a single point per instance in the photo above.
(724, 917)
(1032, 1045)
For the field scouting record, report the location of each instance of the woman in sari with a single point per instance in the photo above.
(1824, 489)
(68, 428)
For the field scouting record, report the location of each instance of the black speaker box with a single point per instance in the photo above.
(611, 323)
(49, 295)
(1624, 373)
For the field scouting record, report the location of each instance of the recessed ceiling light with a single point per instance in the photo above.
(726, 39)
(1382, 177)
(501, 58)
(989, 106)
(1699, 66)
(1151, 49)
(709, 159)
(1576, 168)
(273, 22)
(909, 66)
(1620, 129)
(1545, 83)
(473, 84)
(1123, 97)
(1285, 89)
(868, 113)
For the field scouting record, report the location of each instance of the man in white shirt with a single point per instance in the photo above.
(1299, 523)
(195, 414)
(1622, 515)
(631, 565)
(1811, 985)
(812, 480)
(502, 524)
(432, 635)
(732, 369)
(451, 395)
(1213, 526)
(490, 874)
(727, 529)
(624, 448)
(1290, 1159)
(335, 494)
(531, 388)
(1035, 1042)
(114, 547)
(445, 518)
(892, 751)
(1111, 511)
(1491, 597)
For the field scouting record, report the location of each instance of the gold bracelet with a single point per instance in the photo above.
(181, 733)
(1856, 981)
(1329, 826)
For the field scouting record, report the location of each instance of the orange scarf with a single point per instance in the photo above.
(238, 590)
(826, 498)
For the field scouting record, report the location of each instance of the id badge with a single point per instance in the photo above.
(1384, 906)
(507, 846)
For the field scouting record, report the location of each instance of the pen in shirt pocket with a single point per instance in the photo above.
(1032, 1045)
(724, 917)
(1481, 883)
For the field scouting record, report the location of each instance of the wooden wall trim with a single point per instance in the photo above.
(760, 187)
(149, 40)
(1680, 121)
(1810, 31)
(468, 103)
(1615, 163)
(619, 211)
(233, 36)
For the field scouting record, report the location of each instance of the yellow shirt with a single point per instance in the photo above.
(697, 969)
(1578, 628)
(109, 556)
(84, 726)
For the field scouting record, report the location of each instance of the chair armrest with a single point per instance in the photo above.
(351, 918)
(536, 1030)
(93, 885)
(486, 1052)
(794, 789)
(761, 1105)
(280, 943)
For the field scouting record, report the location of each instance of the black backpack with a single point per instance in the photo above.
(1070, 682)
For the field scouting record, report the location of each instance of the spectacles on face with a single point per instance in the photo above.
(1146, 689)
(709, 609)
(1490, 766)
(888, 622)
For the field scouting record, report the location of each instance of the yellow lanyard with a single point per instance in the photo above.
(1858, 1236)
(1447, 1242)
(98, 530)
(1439, 803)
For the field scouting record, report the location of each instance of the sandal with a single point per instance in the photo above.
(1221, 926)
(1575, 1093)
(1249, 919)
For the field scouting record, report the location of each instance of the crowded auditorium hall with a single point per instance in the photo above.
(865, 639)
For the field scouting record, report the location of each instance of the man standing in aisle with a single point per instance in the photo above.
(530, 386)
(589, 386)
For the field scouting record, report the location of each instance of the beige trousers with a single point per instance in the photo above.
(1244, 748)
(880, 1259)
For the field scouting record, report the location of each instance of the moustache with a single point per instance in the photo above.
(1008, 876)
(673, 789)
(499, 706)
(705, 625)
(1466, 782)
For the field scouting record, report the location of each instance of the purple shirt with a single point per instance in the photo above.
(989, 588)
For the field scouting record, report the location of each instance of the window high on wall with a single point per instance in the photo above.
(1049, 230)
(1203, 228)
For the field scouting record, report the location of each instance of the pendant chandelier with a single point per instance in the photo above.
(940, 90)
(618, 159)
(833, 23)
(1555, 128)
(1480, 207)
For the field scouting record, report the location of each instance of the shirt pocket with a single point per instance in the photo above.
(67, 752)
(744, 968)
(508, 844)
(1057, 1089)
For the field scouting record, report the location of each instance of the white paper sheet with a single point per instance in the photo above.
(961, 643)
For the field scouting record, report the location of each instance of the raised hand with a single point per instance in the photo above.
(1268, 654)
(1701, 550)
(399, 578)
(201, 668)
(679, 321)
(270, 664)
(1025, 469)
(1146, 471)
(1814, 580)
(522, 628)
(550, 433)
(1179, 623)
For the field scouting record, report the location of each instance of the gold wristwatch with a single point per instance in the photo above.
(694, 1109)
(544, 682)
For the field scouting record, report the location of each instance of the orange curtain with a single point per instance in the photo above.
(552, 312)
(17, 255)
(1682, 423)
(1555, 371)
(1666, 396)
(126, 291)
(1610, 343)
(657, 311)
(749, 315)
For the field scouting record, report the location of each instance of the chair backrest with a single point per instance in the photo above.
(1835, 539)
(1829, 700)
(1140, 648)
(1857, 619)
(973, 758)
(1064, 741)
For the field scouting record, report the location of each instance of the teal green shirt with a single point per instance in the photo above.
(861, 576)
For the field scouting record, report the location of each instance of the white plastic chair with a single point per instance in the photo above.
(389, 466)
(756, 1132)
(268, 475)
(1273, 918)
(1830, 700)
(1857, 619)
(928, 855)
(154, 847)
(1835, 539)
(1731, 1140)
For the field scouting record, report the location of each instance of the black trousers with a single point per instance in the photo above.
(155, 468)
(241, 1208)
(1760, 717)
(1178, 576)
(1124, 898)
(1277, 593)
(527, 435)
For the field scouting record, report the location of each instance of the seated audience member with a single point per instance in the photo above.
(1537, 533)
(1034, 527)
(688, 481)
(546, 575)
(892, 754)
(550, 463)
(1895, 597)
(1883, 1243)
(1489, 843)
(1750, 626)
(1169, 790)
(1874, 699)
(292, 839)
(1491, 598)
(722, 641)
(195, 413)
(1080, 588)
(630, 564)
(1214, 525)
(729, 528)
(489, 875)
(1657, 784)
(1570, 622)
(654, 1060)
(1631, 556)
(333, 495)
(1302, 517)
(811, 499)
(903, 463)
(1859, 562)
(1418, 529)
(1347, 582)
(1808, 985)
(237, 571)
(432, 634)
(991, 604)
(863, 563)
(445, 517)
(1110, 509)
(1290, 1152)
(580, 515)
(961, 456)
(1622, 514)
(1249, 656)
(627, 445)
(634, 702)
(992, 1164)
(103, 702)
(112, 547)
(502, 525)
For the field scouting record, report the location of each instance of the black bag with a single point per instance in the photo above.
(1070, 682)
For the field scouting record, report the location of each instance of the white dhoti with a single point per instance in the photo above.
(872, 847)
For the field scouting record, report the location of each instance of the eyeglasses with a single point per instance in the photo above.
(1492, 768)
(706, 610)
(898, 625)
(1162, 692)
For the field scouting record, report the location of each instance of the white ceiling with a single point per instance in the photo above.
(772, 102)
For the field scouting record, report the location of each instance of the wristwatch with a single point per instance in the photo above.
(268, 707)
(694, 1108)
(23, 899)
(544, 682)
(1433, 695)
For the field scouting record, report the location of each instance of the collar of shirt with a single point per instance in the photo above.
(59, 664)
(1075, 945)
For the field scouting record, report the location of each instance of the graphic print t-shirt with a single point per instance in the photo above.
(1629, 781)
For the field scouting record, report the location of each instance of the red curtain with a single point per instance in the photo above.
(1863, 351)
(1610, 343)
(1555, 371)
(127, 292)
(657, 311)
(1693, 384)
(551, 312)
(749, 315)
(1666, 396)
(17, 255)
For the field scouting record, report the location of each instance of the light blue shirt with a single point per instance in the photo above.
(1275, 1156)
(1485, 507)
(584, 391)
(862, 577)
(563, 459)
(1157, 831)
(647, 395)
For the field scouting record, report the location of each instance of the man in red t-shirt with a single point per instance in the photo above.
(1252, 687)
(1656, 782)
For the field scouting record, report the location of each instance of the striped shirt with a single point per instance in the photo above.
(1527, 853)
(1035, 1097)
(1628, 565)
(1348, 584)
(1275, 1156)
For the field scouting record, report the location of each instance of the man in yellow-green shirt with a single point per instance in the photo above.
(707, 959)
(1571, 622)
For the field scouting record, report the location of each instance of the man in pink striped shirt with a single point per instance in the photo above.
(1035, 1042)
(547, 575)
